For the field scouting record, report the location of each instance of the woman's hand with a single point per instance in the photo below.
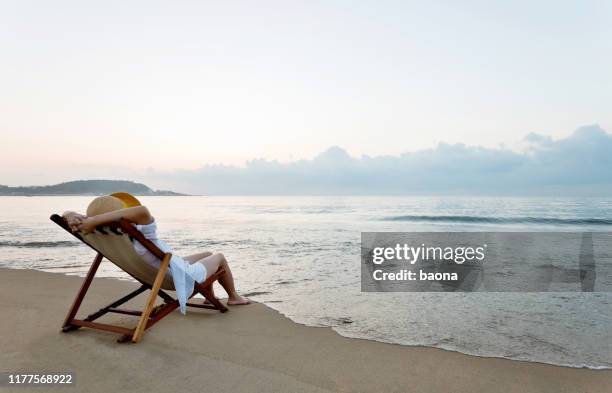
(88, 225)
(74, 220)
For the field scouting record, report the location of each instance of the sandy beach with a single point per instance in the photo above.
(249, 349)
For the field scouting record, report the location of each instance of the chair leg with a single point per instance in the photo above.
(67, 325)
(144, 318)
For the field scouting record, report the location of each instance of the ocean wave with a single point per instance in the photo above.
(208, 243)
(48, 244)
(503, 220)
(453, 346)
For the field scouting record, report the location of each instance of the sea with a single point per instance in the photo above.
(301, 257)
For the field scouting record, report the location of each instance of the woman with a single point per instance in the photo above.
(184, 271)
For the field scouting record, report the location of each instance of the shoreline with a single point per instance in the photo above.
(450, 350)
(266, 349)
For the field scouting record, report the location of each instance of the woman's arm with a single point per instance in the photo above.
(136, 215)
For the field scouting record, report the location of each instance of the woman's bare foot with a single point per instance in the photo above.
(238, 301)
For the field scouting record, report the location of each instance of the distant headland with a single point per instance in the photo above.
(86, 187)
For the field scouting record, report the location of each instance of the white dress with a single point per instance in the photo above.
(183, 273)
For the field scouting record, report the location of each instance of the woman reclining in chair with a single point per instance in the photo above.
(185, 271)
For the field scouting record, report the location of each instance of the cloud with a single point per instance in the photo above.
(580, 164)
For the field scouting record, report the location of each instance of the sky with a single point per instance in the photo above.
(156, 90)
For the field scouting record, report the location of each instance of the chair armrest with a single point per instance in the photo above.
(128, 228)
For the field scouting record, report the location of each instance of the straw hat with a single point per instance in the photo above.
(128, 200)
(109, 203)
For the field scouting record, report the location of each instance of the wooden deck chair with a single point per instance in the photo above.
(113, 241)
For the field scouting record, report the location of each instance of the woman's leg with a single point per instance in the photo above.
(196, 257)
(212, 264)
